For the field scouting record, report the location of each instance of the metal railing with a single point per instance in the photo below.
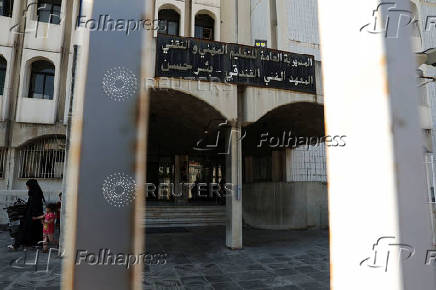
(308, 164)
(42, 159)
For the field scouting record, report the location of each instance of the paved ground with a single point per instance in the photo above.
(197, 259)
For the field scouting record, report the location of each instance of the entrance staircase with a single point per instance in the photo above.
(161, 216)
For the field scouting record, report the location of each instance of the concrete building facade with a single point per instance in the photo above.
(277, 187)
(36, 56)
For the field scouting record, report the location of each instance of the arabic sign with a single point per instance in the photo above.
(197, 59)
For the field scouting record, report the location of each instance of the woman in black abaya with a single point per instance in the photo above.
(30, 232)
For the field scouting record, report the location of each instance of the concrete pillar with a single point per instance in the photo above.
(188, 13)
(273, 24)
(229, 21)
(234, 200)
(180, 164)
(10, 168)
(282, 29)
(288, 165)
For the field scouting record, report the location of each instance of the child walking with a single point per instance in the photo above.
(48, 221)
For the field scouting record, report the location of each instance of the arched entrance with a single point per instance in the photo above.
(284, 177)
(185, 163)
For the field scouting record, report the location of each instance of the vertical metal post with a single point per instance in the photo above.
(378, 204)
(106, 175)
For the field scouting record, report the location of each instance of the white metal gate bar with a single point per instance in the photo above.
(377, 192)
(107, 152)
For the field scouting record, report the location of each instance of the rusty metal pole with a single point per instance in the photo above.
(106, 175)
(380, 228)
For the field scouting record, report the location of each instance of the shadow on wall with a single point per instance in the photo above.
(286, 205)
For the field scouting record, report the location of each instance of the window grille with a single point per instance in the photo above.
(43, 159)
(308, 164)
(3, 154)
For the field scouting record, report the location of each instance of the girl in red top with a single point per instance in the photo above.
(48, 221)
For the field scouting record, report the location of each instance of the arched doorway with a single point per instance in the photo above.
(284, 176)
(185, 150)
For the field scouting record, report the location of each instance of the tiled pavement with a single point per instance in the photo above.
(270, 260)
(198, 259)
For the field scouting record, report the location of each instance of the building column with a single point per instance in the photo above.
(10, 168)
(234, 200)
(180, 177)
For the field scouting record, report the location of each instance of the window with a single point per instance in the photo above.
(169, 22)
(49, 11)
(204, 25)
(6, 7)
(3, 65)
(3, 152)
(42, 80)
(308, 164)
(43, 158)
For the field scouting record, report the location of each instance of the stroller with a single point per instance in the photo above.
(16, 214)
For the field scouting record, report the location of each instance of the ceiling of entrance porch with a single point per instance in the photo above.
(178, 121)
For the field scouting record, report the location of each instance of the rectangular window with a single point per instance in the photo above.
(41, 86)
(198, 32)
(6, 7)
(2, 79)
(169, 27)
(173, 28)
(49, 11)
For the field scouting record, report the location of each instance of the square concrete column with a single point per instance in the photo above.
(11, 168)
(234, 200)
(180, 177)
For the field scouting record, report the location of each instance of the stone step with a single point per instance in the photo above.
(184, 216)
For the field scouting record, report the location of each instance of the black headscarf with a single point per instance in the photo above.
(36, 197)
